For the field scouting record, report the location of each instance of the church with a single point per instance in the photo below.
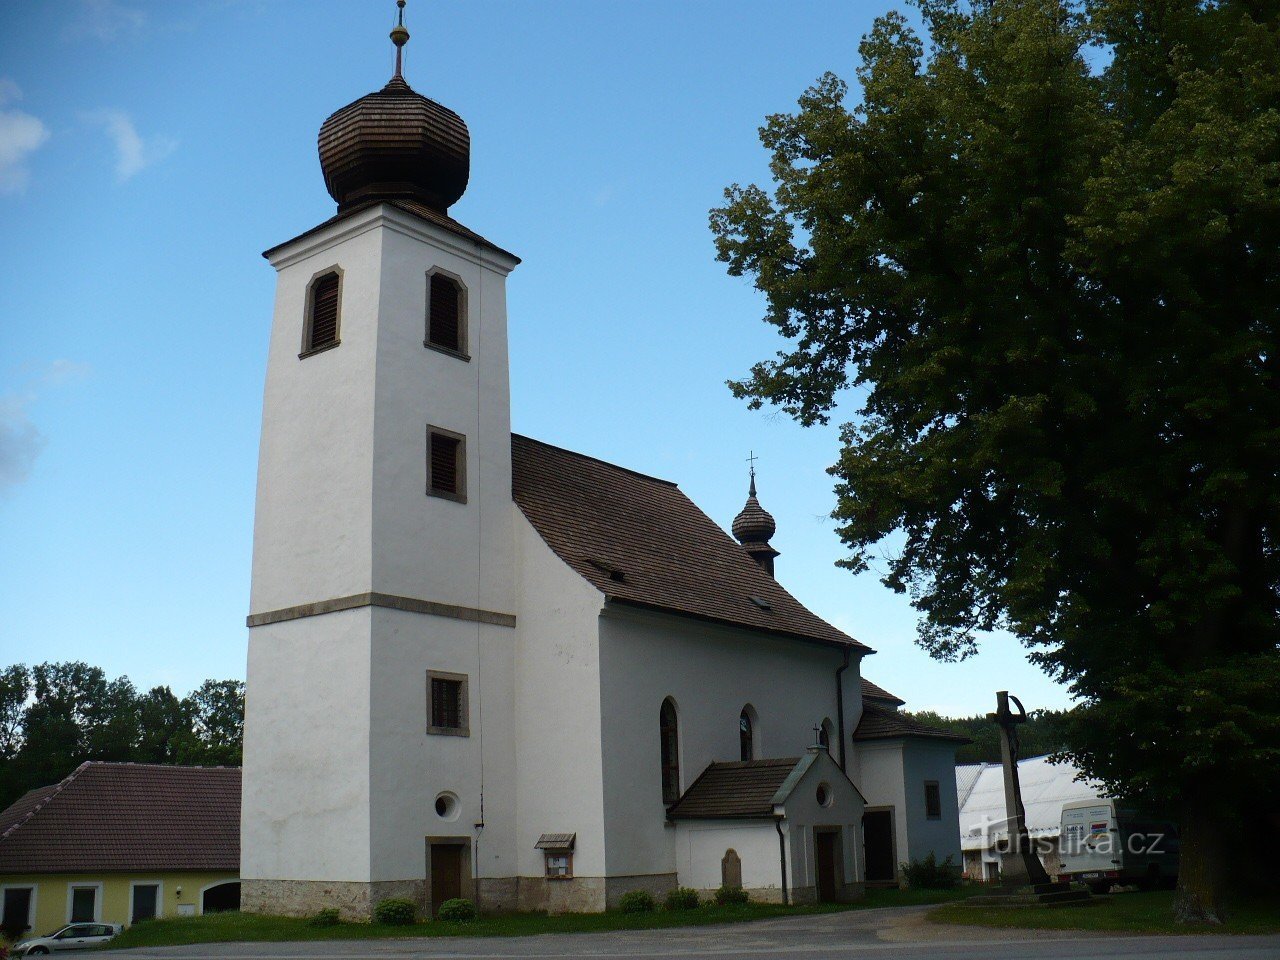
(481, 665)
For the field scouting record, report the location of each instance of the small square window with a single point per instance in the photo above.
(447, 704)
(559, 864)
(446, 464)
(932, 800)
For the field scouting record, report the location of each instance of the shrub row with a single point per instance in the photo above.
(681, 898)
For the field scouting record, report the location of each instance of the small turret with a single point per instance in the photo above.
(754, 526)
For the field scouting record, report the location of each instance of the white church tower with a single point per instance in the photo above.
(382, 609)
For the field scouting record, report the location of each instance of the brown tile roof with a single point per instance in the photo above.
(733, 790)
(421, 211)
(640, 541)
(125, 816)
(871, 691)
(885, 723)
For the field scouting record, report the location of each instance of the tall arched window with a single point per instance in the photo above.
(747, 733)
(670, 729)
(825, 733)
(323, 301)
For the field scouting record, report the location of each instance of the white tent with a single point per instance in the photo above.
(1045, 788)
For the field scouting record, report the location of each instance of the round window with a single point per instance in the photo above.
(823, 796)
(447, 806)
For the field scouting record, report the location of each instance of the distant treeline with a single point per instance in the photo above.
(55, 716)
(1044, 732)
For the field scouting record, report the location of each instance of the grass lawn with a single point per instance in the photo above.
(224, 927)
(1121, 912)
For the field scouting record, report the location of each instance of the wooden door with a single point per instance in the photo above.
(446, 874)
(826, 852)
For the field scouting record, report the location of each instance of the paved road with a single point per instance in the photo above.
(891, 934)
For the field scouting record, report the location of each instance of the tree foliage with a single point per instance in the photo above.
(55, 716)
(1046, 732)
(1058, 289)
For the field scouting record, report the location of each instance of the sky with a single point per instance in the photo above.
(150, 151)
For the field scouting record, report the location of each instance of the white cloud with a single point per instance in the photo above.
(21, 135)
(134, 153)
(104, 20)
(20, 439)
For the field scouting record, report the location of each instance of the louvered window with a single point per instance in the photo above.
(445, 324)
(446, 464)
(322, 325)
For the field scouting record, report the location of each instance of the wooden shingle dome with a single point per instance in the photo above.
(395, 144)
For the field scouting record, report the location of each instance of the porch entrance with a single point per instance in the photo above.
(877, 836)
(826, 845)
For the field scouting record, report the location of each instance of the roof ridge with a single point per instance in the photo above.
(605, 463)
(44, 802)
(161, 766)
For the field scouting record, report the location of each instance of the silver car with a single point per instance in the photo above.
(74, 936)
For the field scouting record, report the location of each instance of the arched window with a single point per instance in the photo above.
(825, 734)
(446, 323)
(670, 728)
(747, 733)
(323, 300)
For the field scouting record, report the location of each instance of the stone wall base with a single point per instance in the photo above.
(497, 894)
(657, 885)
(353, 899)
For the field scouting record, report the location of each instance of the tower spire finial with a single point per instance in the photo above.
(752, 460)
(400, 36)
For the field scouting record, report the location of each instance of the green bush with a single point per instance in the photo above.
(929, 874)
(395, 912)
(637, 901)
(731, 895)
(328, 917)
(458, 910)
(682, 898)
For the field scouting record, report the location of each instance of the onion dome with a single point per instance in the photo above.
(395, 144)
(754, 527)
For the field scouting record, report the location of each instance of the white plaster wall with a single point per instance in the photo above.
(312, 526)
(925, 760)
(557, 709)
(424, 546)
(306, 792)
(700, 845)
(880, 777)
(711, 672)
(804, 813)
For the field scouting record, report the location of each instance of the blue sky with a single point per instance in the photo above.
(150, 151)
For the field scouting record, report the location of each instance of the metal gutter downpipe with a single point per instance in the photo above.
(782, 858)
(840, 705)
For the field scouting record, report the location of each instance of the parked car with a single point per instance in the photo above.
(74, 936)
(1103, 844)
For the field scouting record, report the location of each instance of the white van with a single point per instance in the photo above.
(1102, 844)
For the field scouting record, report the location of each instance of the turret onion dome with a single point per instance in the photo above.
(395, 144)
(754, 524)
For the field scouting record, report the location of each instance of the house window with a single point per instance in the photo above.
(670, 732)
(84, 905)
(746, 734)
(446, 322)
(16, 918)
(447, 703)
(323, 300)
(446, 464)
(146, 901)
(932, 800)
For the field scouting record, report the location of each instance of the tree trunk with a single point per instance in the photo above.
(1200, 869)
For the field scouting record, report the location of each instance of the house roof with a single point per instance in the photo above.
(886, 723)
(734, 790)
(1045, 788)
(126, 816)
(873, 692)
(641, 541)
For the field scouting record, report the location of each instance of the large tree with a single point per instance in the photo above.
(1044, 248)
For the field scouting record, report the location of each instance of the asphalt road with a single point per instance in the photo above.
(892, 934)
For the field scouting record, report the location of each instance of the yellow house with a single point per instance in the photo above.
(118, 843)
